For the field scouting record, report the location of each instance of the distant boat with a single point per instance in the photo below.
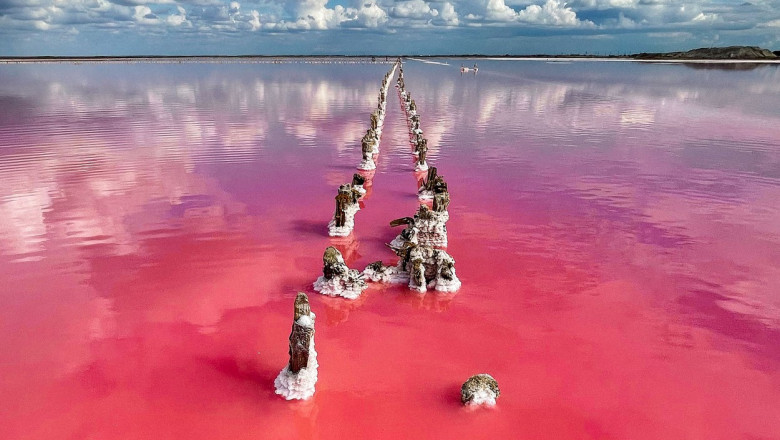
(464, 69)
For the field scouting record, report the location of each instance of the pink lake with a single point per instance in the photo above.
(616, 227)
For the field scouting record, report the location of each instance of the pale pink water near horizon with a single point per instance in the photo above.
(616, 227)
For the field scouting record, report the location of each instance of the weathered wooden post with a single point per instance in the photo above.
(368, 147)
(297, 379)
(480, 389)
(301, 335)
(421, 151)
(337, 279)
(374, 118)
(347, 205)
(427, 183)
(357, 184)
(441, 201)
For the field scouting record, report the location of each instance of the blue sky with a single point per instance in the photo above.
(274, 27)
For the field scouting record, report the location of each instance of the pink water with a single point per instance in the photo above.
(616, 227)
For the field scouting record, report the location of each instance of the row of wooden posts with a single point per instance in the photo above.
(422, 261)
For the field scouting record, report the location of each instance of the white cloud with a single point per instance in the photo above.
(497, 10)
(702, 17)
(312, 15)
(254, 21)
(447, 15)
(624, 22)
(144, 15)
(552, 13)
(608, 4)
(132, 2)
(178, 19)
(41, 25)
(371, 15)
(416, 9)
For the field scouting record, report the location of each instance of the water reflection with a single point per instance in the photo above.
(658, 155)
(112, 189)
(106, 141)
(615, 226)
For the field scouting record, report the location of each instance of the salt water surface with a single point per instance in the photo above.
(616, 228)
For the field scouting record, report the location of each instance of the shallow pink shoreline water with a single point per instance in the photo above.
(615, 231)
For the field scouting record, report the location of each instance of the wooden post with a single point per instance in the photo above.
(300, 337)
(479, 389)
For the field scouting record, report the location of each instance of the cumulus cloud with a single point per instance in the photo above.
(416, 9)
(254, 20)
(141, 2)
(447, 15)
(371, 15)
(497, 10)
(179, 18)
(647, 14)
(300, 15)
(553, 13)
(144, 15)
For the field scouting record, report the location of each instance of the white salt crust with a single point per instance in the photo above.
(483, 396)
(349, 286)
(360, 189)
(442, 285)
(421, 167)
(437, 259)
(424, 194)
(398, 275)
(367, 164)
(299, 385)
(388, 274)
(399, 241)
(432, 232)
(305, 321)
(349, 223)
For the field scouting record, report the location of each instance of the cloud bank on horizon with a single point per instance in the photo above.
(181, 27)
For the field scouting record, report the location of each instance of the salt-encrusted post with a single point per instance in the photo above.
(368, 145)
(357, 183)
(480, 389)
(421, 151)
(344, 216)
(301, 335)
(337, 279)
(426, 184)
(297, 379)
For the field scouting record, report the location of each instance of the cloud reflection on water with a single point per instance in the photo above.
(617, 223)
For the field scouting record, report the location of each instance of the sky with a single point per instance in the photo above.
(363, 27)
